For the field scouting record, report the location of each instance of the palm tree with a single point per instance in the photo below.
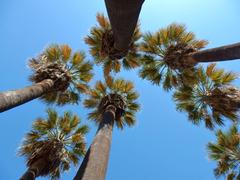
(211, 98)
(123, 16)
(226, 151)
(101, 44)
(113, 102)
(164, 56)
(53, 144)
(59, 75)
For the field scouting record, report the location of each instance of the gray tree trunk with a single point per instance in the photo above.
(123, 16)
(223, 53)
(11, 99)
(95, 162)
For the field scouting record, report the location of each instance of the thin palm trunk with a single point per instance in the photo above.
(123, 15)
(11, 99)
(223, 53)
(94, 165)
(34, 170)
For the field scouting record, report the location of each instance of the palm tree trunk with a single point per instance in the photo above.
(223, 53)
(11, 99)
(123, 16)
(34, 170)
(30, 174)
(94, 165)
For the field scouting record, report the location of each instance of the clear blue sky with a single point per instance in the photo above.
(163, 145)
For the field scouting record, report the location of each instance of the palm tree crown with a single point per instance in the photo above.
(226, 151)
(69, 71)
(122, 93)
(101, 44)
(164, 53)
(58, 141)
(211, 98)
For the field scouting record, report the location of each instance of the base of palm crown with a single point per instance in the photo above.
(114, 100)
(108, 48)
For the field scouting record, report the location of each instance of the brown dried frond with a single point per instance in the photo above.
(108, 50)
(175, 54)
(107, 43)
(51, 70)
(49, 152)
(224, 99)
(117, 101)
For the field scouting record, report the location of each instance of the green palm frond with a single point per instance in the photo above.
(70, 72)
(164, 52)
(58, 140)
(113, 86)
(101, 43)
(212, 97)
(226, 152)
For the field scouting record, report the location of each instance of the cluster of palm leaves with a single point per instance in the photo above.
(113, 90)
(166, 58)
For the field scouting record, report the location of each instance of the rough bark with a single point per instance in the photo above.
(94, 165)
(123, 16)
(11, 99)
(223, 53)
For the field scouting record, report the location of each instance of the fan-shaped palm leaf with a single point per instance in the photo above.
(211, 98)
(53, 144)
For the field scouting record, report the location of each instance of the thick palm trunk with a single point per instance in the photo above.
(223, 53)
(94, 165)
(11, 99)
(123, 15)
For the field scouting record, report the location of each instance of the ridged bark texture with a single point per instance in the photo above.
(29, 175)
(11, 99)
(223, 53)
(94, 165)
(123, 16)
